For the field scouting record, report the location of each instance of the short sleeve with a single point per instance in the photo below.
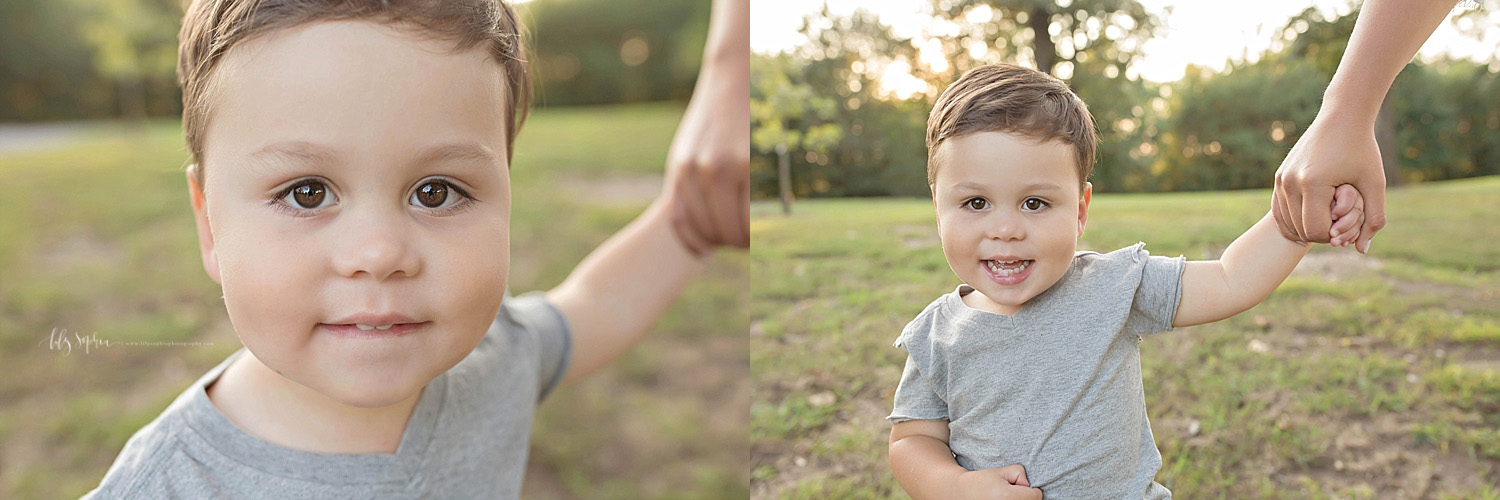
(1157, 296)
(539, 320)
(915, 399)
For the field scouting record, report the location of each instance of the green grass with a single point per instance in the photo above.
(1373, 359)
(98, 237)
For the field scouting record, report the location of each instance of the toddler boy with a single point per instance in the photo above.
(351, 188)
(1028, 375)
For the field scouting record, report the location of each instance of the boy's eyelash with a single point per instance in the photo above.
(276, 203)
(463, 205)
(467, 203)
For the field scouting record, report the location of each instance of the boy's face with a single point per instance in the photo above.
(356, 173)
(1009, 215)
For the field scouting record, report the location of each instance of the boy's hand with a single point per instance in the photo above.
(1005, 483)
(1348, 216)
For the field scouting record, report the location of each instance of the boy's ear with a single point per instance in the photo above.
(1083, 206)
(205, 234)
(933, 189)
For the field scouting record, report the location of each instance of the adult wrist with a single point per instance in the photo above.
(1349, 104)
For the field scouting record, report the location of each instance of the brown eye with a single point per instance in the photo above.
(309, 195)
(432, 194)
(977, 203)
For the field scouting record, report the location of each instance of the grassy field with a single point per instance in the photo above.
(1361, 377)
(97, 237)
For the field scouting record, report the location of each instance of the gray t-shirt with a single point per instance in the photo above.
(467, 437)
(1056, 387)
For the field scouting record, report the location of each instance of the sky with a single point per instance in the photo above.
(1206, 33)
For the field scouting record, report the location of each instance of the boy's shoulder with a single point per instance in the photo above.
(153, 459)
(930, 316)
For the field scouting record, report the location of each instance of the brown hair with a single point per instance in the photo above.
(1015, 100)
(211, 27)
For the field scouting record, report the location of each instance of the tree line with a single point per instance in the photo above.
(93, 59)
(821, 115)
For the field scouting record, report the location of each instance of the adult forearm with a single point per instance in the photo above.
(1386, 36)
(728, 35)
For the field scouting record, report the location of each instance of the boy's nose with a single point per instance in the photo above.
(1005, 228)
(377, 248)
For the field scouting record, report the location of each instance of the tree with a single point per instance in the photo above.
(134, 42)
(610, 51)
(1090, 44)
(787, 116)
(1230, 130)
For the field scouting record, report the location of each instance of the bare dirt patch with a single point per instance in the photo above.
(1338, 265)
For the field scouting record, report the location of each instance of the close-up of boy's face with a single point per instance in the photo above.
(357, 169)
(1009, 213)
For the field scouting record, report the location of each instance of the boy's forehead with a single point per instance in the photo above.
(358, 83)
(1003, 156)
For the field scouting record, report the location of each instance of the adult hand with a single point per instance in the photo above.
(1004, 483)
(1334, 151)
(708, 165)
(708, 171)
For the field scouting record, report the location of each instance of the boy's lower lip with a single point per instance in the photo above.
(1014, 279)
(396, 330)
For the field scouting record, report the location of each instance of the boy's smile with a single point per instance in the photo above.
(1009, 215)
(358, 200)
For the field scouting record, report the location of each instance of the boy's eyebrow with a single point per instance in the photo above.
(968, 186)
(297, 152)
(1041, 186)
(466, 152)
(307, 152)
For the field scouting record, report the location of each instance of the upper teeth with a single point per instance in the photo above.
(995, 266)
(368, 327)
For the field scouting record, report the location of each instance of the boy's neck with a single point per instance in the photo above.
(976, 300)
(282, 412)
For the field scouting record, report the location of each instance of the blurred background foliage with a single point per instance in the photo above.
(99, 59)
(1213, 129)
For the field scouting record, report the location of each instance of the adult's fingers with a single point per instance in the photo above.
(1313, 213)
(1288, 197)
(1374, 193)
(687, 203)
(1283, 222)
(682, 225)
(729, 229)
(740, 215)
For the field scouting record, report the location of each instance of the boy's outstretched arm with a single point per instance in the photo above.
(924, 465)
(619, 291)
(1255, 264)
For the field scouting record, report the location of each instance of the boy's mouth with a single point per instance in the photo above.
(363, 330)
(1008, 272)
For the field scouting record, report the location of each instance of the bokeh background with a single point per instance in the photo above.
(97, 237)
(1361, 377)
